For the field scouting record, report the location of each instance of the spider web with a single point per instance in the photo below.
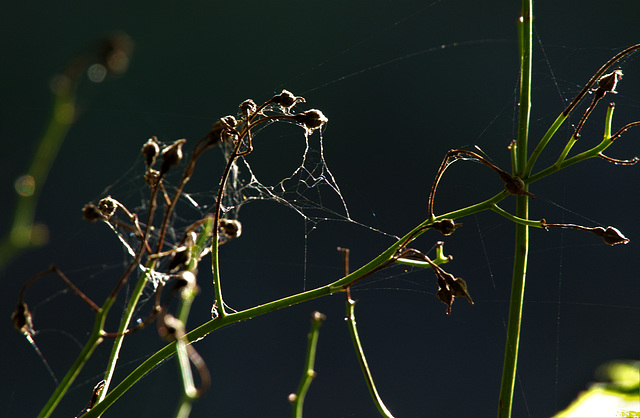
(311, 192)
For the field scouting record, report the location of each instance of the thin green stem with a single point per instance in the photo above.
(522, 211)
(353, 330)
(94, 339)
(297, 399)
(543, 143)
(124, 324)
(517, 220)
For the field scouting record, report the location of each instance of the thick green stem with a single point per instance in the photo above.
(522, 211)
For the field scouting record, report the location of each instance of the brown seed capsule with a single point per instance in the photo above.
(107, 206)
(286, 100)
(171, 155)
(248, 108)
(445, 226)
(91, 213)
(608, 82)
(232, 228)
(22, 319)
(152, 177)
(150, 150)
(311, 119)
(611, 235)
(222, 130)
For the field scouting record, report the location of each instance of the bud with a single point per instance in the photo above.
(232, 228)
(171, 155)
(286, 100)
(91, 213)
(107, 206)
(311, 120)
(150, 150)
(611, 235)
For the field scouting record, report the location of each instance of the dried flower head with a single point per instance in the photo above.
(171, 155)
(152, 177)
(311, 119)
(248, 108)
(91, 213)
(286, 100)
(232, 228)
(107, 206)
(150, 150)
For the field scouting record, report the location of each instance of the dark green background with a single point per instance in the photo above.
(389, 128)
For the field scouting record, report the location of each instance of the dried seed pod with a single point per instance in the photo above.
(232, 228)
(150, 150)
(514, 185)
(608, 82)
(445, 226)
(248, 108)
(152, 177)
(311, 119)
(91, 213)
(286, 100)
(222, 130)
(611, 235)
(107, 206)
(171, 155)
(22, 319)
(444, 295)
(459, 288)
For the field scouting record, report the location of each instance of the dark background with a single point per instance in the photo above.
(389, 128)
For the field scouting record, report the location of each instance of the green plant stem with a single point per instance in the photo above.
(353, 330)
(515, 219)
(94, 339)
(309, 364)
(522, 211)
(124, 324)
(62, 117)
(328, 289)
